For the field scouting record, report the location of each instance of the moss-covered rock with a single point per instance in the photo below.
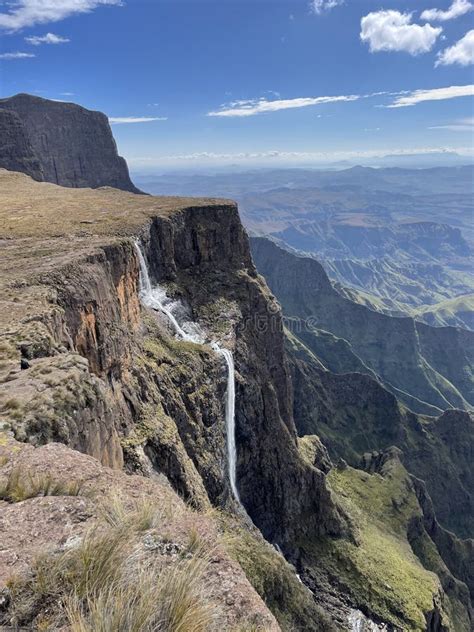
(380, 573)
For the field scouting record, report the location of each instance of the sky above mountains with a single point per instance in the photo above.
(252, 82)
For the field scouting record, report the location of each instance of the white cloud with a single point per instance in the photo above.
(261, 106)
(49, 38)
(458, 8)
(250, 107)
(394, 31)
(120, 120)
(462, 125)
(24, 13)
(462, 52)
(16, 55)
(436, 94)
(320, 6)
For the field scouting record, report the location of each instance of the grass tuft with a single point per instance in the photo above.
(108, 583)
(20, 485)
(142, 515)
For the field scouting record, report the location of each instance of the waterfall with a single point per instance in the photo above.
(144, 278)
(230, 419)
(156, 298)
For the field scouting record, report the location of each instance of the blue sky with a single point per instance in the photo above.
(251, 81)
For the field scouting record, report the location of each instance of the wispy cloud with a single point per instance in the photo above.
(121, 120)
(394, 31)
(251, 107)
(435, 94)
(17, 55)
(321, 6)
(262, 106)
(461, 125)
(49, 38)
(461, 53)
(24, 13)
(458, 8)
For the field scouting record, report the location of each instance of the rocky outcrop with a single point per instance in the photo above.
(73, 146)
(16, 152)
(63, 514)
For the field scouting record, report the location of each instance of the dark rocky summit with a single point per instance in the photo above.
(72, 146)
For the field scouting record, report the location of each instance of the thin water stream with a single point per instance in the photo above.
(156, 298)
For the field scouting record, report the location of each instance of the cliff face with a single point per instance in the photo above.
(87, 364)
(74, 146)
(148, 399)
(427, 369)
(16, 152)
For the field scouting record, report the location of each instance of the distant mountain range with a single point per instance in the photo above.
(395, 239)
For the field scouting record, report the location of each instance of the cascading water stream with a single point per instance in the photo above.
(230, 419)
(155, 297)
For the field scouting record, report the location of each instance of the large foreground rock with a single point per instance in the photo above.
(51, 524)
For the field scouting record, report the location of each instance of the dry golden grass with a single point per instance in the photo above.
(108, 583)
(146, 601)
(40, 209)
(141, 515)
(19, 485)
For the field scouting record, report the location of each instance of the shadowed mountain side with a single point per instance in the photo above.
(426, 368)
(16, 152)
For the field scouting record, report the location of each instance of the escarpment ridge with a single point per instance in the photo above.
(87, 364)
(427, 368)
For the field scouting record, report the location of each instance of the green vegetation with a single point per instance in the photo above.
(273, 578)
(380, 572)
(454, 312)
